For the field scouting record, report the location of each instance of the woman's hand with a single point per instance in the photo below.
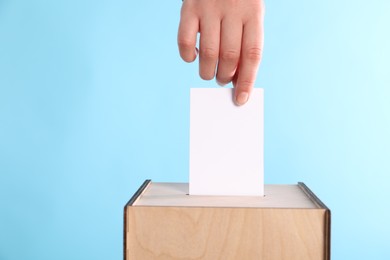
(231, 41)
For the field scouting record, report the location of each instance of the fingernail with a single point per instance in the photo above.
(220, 84)
(242, 98)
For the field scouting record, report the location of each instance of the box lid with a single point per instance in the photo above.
(176, 194)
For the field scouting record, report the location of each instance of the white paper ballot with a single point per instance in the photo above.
(226, 143)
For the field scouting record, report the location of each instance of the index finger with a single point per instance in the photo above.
(251, 53)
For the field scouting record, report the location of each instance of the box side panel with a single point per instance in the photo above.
(224, 233)
(132, 200)
(328, 234)
(312, 196)
(138, 193)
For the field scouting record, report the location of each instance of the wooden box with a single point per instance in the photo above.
(161, 221)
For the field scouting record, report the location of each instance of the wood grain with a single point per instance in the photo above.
(155, 232)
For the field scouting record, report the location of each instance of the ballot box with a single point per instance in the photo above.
(161, 221)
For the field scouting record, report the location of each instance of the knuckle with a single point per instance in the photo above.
(231, 55)
(185, 44)
(209, 53)
(253, 54)
(245, 84)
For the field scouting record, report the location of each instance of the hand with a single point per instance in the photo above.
(231, 41)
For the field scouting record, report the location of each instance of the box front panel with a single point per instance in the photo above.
(224, 233)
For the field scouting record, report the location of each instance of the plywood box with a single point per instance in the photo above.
(161, 221)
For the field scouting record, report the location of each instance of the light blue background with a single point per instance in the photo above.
(94, 99)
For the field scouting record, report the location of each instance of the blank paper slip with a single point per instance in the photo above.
(226, 143)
